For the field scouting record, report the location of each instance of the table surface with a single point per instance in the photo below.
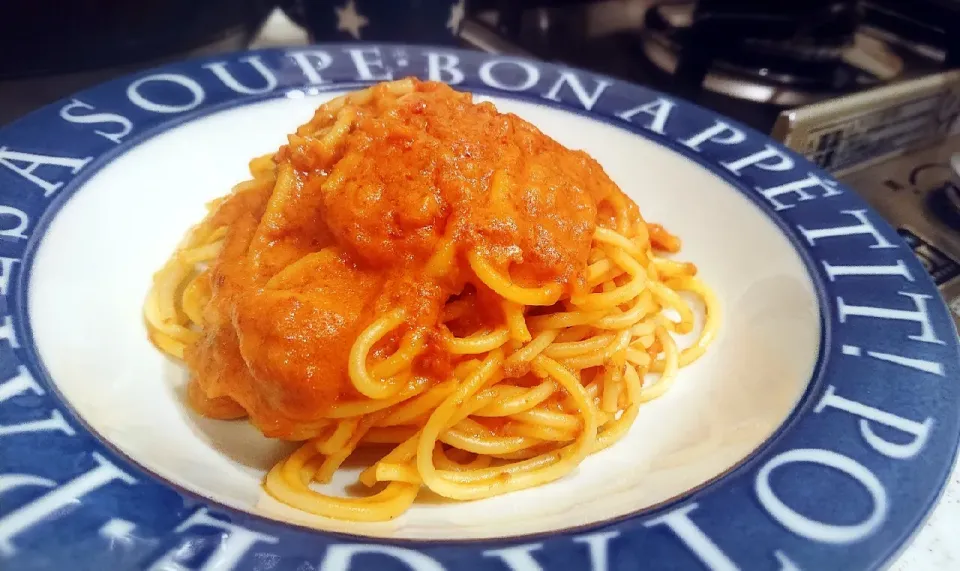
(935, 546)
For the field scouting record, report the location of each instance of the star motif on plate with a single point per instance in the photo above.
(457, 12)
(349, 20)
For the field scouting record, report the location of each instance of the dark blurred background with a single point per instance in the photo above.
(749, 59)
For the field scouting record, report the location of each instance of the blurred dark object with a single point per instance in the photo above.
(48, 37)
(435, 22)
(926, 27)
(749, 59)
(781, 44)
(795, 53)
(52, 48)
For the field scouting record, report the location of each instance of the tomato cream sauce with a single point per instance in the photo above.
(366, 193)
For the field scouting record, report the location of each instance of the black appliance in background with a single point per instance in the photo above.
(748, 59)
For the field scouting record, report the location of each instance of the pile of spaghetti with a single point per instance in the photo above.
(420, 274)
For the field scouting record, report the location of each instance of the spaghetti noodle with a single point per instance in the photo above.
(429, 276)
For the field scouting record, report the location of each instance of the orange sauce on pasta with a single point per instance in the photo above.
(349, 230)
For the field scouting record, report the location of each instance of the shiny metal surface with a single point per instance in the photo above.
(918, 194)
